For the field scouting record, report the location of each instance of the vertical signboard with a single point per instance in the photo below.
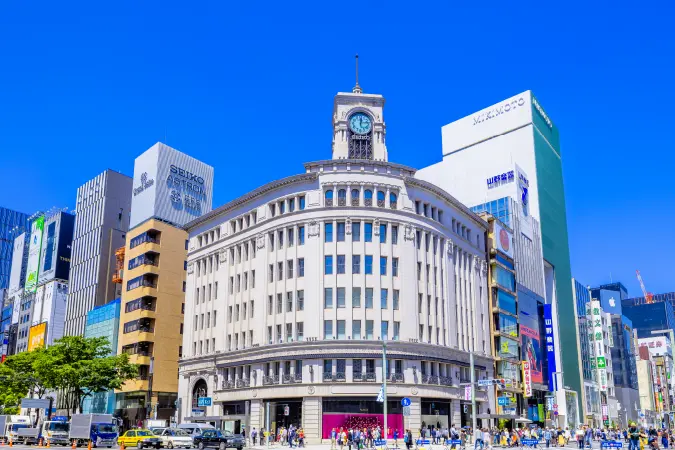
(597, 342)
(550, 347)
(527, 379)
(33, 266)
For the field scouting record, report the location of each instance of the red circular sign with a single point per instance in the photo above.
(504, 240)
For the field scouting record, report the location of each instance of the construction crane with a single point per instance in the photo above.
(649, 297)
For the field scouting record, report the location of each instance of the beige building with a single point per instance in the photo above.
(151, 319)
(645, 375)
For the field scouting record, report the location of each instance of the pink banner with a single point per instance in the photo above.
(361, 421)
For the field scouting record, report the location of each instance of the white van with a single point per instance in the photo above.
(195, 429)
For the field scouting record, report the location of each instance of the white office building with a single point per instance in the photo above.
(293, 289)
(102, 220)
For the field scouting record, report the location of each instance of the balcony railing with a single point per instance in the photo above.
(380, 203)
(445, 381)
(395, 377)
(327, 376)
(228, 384)
(142, 262)
(290, 378)
(393, 205)
(364, 377)
(329, 202)
(270, 380)
(143, 377)
(355, 202)
(368, 202)
(243, 382)
(342, 202)
(430, 379)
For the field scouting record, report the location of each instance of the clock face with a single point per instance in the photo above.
(360, 123)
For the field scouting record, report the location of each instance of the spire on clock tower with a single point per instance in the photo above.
(358, 126)
(357, 88)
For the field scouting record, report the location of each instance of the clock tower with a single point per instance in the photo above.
(358, 127)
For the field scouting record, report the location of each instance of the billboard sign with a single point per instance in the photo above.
(17, 274)
(36, 336)
(596, 339)
(531, 352)
(171, 186)
(503, 239)
(658, 346)
(56, 249)
(34, 249)
(550, 347)
(527, 379)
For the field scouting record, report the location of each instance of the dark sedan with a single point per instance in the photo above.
(221, 441)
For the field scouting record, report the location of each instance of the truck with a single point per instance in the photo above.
(13, 425)
(100, 429)
(55, 431)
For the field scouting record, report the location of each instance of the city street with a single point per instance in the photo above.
(596, 445)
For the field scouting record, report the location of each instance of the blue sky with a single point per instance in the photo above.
(248, 88)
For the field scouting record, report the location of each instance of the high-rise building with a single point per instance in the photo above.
(170, 188)
(506, 159)
(665, 297)
(293, 288)
(650, 317)
(12, 223)
(101, 223)
(103, 321)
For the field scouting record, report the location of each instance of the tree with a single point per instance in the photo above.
(27, 375)
(11, 391)
(80, 367)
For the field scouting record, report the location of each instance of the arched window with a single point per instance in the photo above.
(342, 197)
(328, 197)
(355, 197)
(392, 200)
(380, 199)
(368, 196)
(200, 390)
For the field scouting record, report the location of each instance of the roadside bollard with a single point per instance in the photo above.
(74, 444)
(48, 444)
(10, 441)
(122, 445)
(89, 445)
(40, 443)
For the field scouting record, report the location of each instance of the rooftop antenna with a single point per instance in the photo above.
(357, 89)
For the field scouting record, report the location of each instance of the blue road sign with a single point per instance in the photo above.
(611, 444)
(453, 442)
(380, 442)
(204, 401)
(423, 442)
(530, 441)
(503, 401)
(405, 401)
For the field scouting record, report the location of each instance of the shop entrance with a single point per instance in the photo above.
(284, 413)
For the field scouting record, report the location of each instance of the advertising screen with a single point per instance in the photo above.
(503, 240)
(36, 336)
(33, 266)
(531, 352)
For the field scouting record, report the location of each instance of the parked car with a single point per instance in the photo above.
(175, 437)
(195, 429)
(140, 438)
(219, 440)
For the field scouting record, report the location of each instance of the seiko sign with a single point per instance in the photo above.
(188, 181)
(498, 110)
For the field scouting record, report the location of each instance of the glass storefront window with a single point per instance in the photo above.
(503, 278)
(508, 325)
(507, 302)
(508, 348)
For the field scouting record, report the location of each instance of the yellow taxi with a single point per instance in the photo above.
(140, 439)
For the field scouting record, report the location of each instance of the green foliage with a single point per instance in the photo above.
(74, 365)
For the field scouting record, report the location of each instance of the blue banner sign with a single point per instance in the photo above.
(405, 401)
(453, 442)
(611, 444)
(550, 347)
(423, 442)
(204, 401)
(503, 401)
(530, 441)
(380, 442)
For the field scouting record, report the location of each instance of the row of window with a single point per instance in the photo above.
(336, 329)
(286, 305)
(204, 346)
(339, 267)
(355, 198)
(246, 340)
(146, 259)
(341, 227)
(287, 334)
(142, 281)
(289, 266)
(243, 222)
(337, 298)
(151, 236)
(204, 293)
(427, 210)
(206, 265)
(208, 237)
(241, 281)
(207, 320)
(242, 252)
(287, 204)
(290, 237)
(244, 308)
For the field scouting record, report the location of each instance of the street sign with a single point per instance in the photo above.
(39, 403)
(406, 411)
(380, 442)
(555, 407)
(466, 408)
(405, 401)
(483, 383)
(503, 401)
(204, 401)
(611, 444)
(287, 411)
(531, 442)
(423, 442)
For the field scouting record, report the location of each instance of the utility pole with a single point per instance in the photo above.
(384, 385)
(473, 394)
